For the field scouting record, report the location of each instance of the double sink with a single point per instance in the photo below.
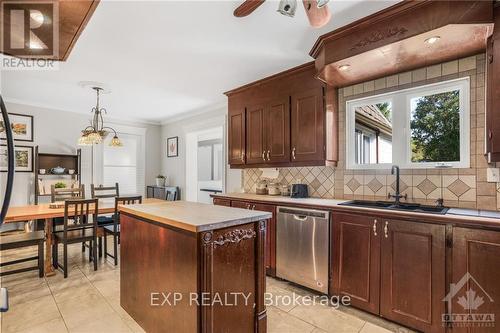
(409, 207)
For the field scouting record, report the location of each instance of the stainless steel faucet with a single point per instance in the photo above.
(397, 196)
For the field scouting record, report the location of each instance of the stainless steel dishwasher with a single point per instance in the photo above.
(302, 247)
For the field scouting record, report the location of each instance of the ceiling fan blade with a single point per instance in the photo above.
(318, 17)
(247, 7)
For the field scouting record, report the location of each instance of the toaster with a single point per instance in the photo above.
(299, 191)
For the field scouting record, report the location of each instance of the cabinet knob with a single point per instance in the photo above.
(386, 229)
(375, 227)
(293, 152)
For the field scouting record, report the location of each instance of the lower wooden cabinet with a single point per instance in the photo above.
(222, 202)
(413, 280)
(476, 275)
(392, 268)
(356, 260)
(270, 248)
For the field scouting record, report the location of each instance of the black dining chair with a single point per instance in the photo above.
(104, 192)
(172, 193)
(80, 225)
(114, 229)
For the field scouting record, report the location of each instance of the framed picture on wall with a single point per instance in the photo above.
(23, 158)
(173, 146)
(22, 127)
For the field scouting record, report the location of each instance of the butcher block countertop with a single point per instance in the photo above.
(193, 216)
(456, 216)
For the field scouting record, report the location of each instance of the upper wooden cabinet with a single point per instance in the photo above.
(236, 137)
(284, 121)
(493, 92)
(308, 132)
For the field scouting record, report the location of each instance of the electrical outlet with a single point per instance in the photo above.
(493, 175)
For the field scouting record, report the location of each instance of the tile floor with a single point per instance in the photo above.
(88, 301)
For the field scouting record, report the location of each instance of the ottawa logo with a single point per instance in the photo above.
(470, 296)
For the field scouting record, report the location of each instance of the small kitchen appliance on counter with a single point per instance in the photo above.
(274, 188)
(299, 191)
(261, 187)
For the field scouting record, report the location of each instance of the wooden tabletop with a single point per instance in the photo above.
(43, 211)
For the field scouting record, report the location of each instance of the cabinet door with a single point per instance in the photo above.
(308, 128)
(255, 135)
(222, 202)
(356, 260)
(236, 137)
(493, 92)
(413, 274)
(241, 204)
(270, 248)
(277, 125)
(476, 252)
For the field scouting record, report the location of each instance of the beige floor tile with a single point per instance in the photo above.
(318, 330)
(29, 314)
(328, 319)
(80, 310)
(281, 322)
(52, 326)
(280, 298)
(38, 290)
(370, 328)
(110, 323)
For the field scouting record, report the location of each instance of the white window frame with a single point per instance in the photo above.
(401, 100)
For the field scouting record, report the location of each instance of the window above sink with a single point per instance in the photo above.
(423, 127)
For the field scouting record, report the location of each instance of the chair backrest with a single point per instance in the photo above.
(62, 194)
(172, 193)
(83, 213)
(101, 192)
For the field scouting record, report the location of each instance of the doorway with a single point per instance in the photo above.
(204, 164)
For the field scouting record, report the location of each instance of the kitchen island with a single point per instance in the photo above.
(192, 267)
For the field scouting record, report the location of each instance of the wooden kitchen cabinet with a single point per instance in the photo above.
(476, 252)
(356, 260)
(255, 135)
(392, 268)
(277, 131)
(413, 278)
(222, 202)
(270, 247)
(308, 132)
(271, 123)
(493, 92)
(236, 136)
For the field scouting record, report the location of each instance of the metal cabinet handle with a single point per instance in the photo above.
(264, 155)
(375, 227)
(293, 152)
(243, 157)
(268, 153)
(248, 206)
(386, 229)
(253, 207)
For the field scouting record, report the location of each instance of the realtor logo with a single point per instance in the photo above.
(30, 29)
(470, 300)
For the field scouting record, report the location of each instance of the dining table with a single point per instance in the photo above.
(49, 212)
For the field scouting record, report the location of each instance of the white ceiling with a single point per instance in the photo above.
(163, 60)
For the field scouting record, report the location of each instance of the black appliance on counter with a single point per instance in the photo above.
(299, 191)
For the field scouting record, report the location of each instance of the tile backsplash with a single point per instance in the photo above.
(465, 188)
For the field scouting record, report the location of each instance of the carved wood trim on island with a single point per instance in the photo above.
(216, 266)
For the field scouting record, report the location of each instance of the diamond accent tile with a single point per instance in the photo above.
(426, 186)
(375, 185)
(353, 184)
(458, 187)
(402, 186)
(315, 184)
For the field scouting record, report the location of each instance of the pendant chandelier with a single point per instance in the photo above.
(96, 132)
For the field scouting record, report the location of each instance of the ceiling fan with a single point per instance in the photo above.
(317, 10)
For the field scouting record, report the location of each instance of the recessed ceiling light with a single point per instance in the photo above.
(432, 40)
(344, 67)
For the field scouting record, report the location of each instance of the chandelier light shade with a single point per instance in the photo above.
(96, 132)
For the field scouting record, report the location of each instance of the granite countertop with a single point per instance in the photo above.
(193, 216)
(458, 216)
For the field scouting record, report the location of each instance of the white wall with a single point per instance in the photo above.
(175, 167)
(57, 131)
